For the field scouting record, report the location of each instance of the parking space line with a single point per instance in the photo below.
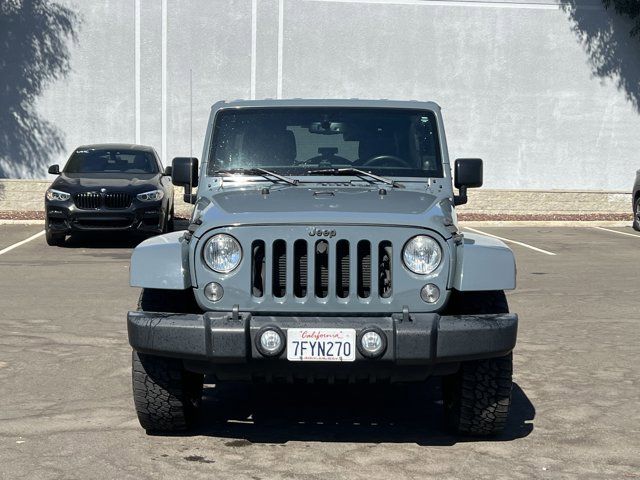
(22, 242)
(616, 231)
(508, 240)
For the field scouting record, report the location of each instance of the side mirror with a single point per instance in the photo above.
(467, 174)
(167, 171)
(54, 170)
(184, 173)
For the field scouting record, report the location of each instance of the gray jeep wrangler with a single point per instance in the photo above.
(323, 246)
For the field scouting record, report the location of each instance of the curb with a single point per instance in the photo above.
(21, 222)
(544, 223)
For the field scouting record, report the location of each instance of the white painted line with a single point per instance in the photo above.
(616, 231)
(136, 13)
(21, 222)
(254, 45)
(163, 82)
(465, 3)
(280, 46)
(16, 245)
(508, 240)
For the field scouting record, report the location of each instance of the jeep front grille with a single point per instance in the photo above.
(323, 268)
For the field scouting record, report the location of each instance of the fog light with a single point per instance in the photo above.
(373, 342)
(213, 291)
(430, 293)
(270, 341)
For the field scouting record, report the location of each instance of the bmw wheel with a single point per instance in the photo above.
(54, 239)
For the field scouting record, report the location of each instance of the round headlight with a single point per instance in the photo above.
(222, 253)
(422, 254)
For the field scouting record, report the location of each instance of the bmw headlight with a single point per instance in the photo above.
(57, 195)
(422, 254)
(222, 253)
(152, 196)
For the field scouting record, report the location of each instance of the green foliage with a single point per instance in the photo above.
(630, 8)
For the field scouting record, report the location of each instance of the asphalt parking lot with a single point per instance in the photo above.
(66, 408)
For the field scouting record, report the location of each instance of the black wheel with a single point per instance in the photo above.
(54, 239)
(477, 398)
(167, 397)
(636, 215)
(170, 223)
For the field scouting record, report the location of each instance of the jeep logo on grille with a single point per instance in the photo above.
(321, 232)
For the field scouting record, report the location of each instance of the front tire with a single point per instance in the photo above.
(636, 215)
(54, 239)
(167, 397)
(171, 223)
(477, 398)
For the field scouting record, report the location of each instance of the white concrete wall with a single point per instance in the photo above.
(523, 84)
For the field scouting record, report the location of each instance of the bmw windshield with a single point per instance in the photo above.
(299, 141)
(116, 161)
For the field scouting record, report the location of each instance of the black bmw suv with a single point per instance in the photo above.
(109, 187)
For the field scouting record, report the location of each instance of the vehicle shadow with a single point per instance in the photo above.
(247, 414)
(104, 240)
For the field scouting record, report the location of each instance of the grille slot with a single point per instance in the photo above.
(342, 269)
(116, 200)
(364, 269)
(322, 268)
(257, 268)
(385, 269)
(300, 268)
(87, 200)
(279, 280)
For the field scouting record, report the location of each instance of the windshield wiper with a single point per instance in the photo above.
(358, 172)
(256, 171)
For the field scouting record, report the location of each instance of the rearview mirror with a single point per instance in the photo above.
(328, 128)
(184, 173)
(467, 174)
(54, 170)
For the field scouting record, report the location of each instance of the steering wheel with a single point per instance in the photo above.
(376, 160)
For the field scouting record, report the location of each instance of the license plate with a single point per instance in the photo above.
(321, 344)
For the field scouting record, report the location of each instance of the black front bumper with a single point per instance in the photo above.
(68, 218)
(417, 344)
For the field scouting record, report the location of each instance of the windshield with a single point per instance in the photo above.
(111, 161)
(293, 141)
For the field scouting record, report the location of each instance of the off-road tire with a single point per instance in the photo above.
(166, 396)
(54, 239)
(477, 398)
(171, 223)
(636, 215)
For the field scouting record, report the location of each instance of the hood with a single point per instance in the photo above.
(327, 206)
(79, 182)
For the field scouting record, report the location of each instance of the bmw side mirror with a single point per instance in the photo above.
(467, 174)
(54, 170)
(184, 173)
(167, 171)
